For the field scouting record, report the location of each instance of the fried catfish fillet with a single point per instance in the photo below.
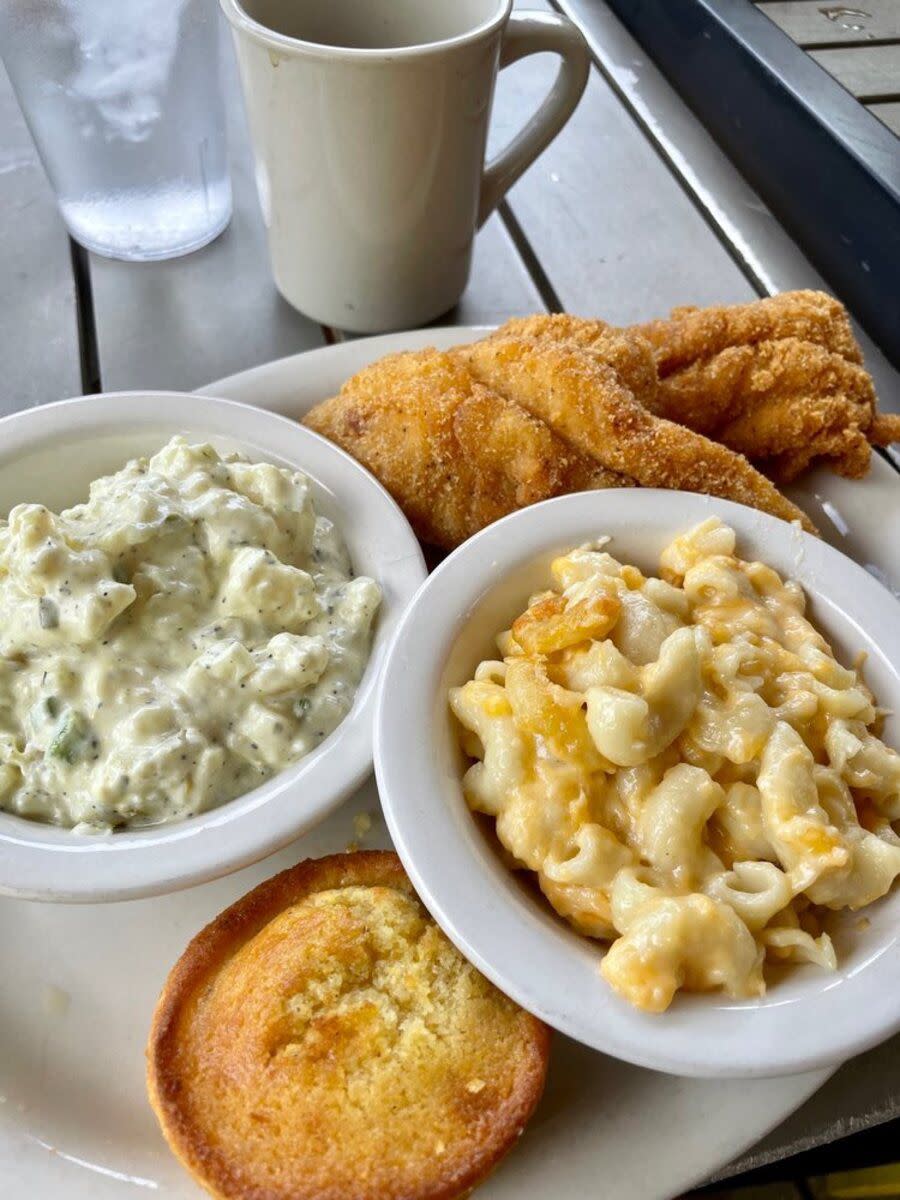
(454, 455)
(779, 380)
(692, 333)
(582, 398)
(630, 356)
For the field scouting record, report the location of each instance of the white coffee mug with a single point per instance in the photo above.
(369, 120)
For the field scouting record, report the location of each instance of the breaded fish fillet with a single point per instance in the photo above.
(584, 402)
(779, 380)
(455, 455)
(630, 356)
(691, 333)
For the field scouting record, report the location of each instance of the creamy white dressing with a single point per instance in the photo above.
(191, 630)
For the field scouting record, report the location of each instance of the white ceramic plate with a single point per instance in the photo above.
(50, 455)
(809, 1018)
(79, 983)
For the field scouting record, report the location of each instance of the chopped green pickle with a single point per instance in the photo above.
(71, 738)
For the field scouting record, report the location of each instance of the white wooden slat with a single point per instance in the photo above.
(767, 253)
(869, 72)
(179, 323)
(814, 23)
(499, 286)
(612, 229)
(888, 113)
(39, 331)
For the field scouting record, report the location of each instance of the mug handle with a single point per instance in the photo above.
(532, 33)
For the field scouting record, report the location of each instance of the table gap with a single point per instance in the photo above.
(852, 45)
(530, 260)
(88, 347)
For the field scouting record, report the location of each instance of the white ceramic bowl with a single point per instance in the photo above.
(810, 1018)
(50, 454)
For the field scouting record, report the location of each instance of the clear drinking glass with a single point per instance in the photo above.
(124, 102)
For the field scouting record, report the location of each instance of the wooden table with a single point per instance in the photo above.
(632, 209)
(858, 44)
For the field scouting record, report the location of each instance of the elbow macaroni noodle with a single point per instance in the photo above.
(685, 766)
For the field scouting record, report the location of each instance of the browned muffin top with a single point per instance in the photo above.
(323, 1039)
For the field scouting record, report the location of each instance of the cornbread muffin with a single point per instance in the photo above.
(323, 1040)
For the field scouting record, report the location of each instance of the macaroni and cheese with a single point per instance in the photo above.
(173, 642)
(683, 763)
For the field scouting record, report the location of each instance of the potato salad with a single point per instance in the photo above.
(192, 629)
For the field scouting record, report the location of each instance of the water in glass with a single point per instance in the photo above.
(124, 102)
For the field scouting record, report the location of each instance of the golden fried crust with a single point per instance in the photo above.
(454, 454)
(732, 385)
(845, 448)
(785, 398)
(693, 333)
(779, 380)
(505, 440)
(583, 400)
(885, 429)
(630, 355)
(323, 1040)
